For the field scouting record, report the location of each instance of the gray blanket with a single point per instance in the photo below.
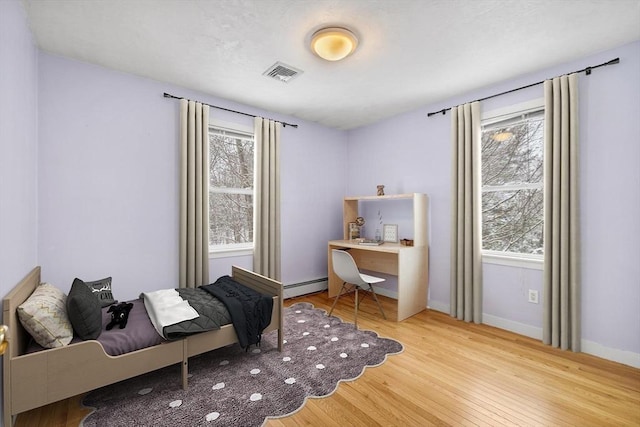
(213, 314)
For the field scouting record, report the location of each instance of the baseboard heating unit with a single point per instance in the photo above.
(307, 287)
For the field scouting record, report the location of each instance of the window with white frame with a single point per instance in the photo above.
(231, 184)
(512, 184)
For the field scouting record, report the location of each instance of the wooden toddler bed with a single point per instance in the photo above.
(37, 379)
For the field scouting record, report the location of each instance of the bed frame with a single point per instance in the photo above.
(37, 379)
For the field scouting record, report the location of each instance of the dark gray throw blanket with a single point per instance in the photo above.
(250, 310)
(213, 314)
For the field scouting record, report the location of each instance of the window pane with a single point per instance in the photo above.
(231, 162)
(231, 188)
(230, 219)
(513, 154)
(513, 221)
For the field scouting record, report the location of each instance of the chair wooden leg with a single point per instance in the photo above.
(377, 302)
(337, 297)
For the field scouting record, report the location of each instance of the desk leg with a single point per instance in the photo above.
(412, 282)
(333, 287)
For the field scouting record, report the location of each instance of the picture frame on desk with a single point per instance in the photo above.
(390, 233)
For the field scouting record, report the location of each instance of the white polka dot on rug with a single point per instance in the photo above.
(319, 366)
(298, 311)
(364, 345)
(224, 362)
(255, 371)
(212, 416)
(311, 348)
(304, 334)
(284, 341)
(327, 326)
(344, 355)
(145, 391)
(189, 375)
(218, 386)
(334, 339)
(175, 403)
(301, 321)
(256, 351)
(290, 381)
(286, 359)
(255, 397)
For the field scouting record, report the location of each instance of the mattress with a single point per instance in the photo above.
(138, 334)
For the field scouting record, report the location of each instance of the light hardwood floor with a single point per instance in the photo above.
(452, 374)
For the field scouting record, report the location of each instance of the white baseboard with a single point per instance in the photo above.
(438, 306)
(589, 347)
(621, 356)
(512, 326)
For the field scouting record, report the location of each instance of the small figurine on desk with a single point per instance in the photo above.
(380, 190)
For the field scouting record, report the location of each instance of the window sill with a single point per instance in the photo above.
(533, 262)
(228, 253)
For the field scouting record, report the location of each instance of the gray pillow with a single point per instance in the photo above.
(84, 311)
(103, 289)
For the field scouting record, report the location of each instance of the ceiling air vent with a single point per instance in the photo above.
(282, 72)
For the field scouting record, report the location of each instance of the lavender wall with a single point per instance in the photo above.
(415, 153)
(108, 181)
(18, 147)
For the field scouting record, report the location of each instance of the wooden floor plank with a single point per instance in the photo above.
(451, 373)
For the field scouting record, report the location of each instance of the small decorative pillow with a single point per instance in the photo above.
(103, 289)
(84, 311)
(44, 316)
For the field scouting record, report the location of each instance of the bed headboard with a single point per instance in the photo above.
(18, 338)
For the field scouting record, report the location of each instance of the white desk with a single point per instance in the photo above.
(408, 263)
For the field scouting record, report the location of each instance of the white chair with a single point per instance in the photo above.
(346, 269)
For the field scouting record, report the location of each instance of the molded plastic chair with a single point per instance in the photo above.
(346, 269)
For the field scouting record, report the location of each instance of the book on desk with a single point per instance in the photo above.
(370, 242)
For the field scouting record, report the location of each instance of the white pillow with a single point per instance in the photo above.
(44, 316)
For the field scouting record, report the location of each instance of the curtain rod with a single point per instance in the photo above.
(587, 70)
(168, 95)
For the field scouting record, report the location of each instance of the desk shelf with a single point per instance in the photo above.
(409, 263)
(351, 206)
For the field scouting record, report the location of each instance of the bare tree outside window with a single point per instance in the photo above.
(512, 185)
(231, 155)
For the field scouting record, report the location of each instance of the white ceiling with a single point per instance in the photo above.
(412, 53)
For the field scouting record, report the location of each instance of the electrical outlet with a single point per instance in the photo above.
(533, 296)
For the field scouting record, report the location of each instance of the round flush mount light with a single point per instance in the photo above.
(333, 43)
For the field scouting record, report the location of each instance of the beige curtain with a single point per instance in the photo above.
(561, 323)
(266, 255)
(194, 194)
(466, 232)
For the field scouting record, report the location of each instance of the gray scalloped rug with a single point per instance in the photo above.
(231, 387)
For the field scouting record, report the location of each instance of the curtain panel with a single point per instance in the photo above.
(194, 194)
(561, 310)
(466, 232)
(266, 255)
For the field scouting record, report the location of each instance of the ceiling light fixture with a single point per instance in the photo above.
(333, 43)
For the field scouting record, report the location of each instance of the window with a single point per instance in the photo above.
(512, 184)
(231, 160)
